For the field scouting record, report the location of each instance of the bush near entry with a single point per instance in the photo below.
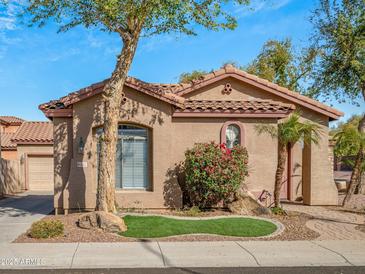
(214, 173)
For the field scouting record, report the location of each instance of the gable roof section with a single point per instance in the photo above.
(62, 107)
(6, 141)
(295, 97)
(11, 120)
(34, 133)
(174, 93)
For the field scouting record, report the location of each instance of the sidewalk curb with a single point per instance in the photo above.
(186, 254)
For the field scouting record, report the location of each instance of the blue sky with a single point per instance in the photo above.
(37, 65)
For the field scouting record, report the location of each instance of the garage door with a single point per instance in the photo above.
(40, 173)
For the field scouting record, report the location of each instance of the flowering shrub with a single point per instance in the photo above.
(214, 173)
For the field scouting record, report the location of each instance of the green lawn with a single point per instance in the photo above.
(156, 226)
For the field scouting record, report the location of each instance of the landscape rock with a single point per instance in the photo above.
(103, 220)
(245, 203)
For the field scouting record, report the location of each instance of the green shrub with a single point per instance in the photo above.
(214, 173)
(278, 211)
(189, 211)
(46, 229)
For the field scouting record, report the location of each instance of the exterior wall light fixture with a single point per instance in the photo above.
(81, 146)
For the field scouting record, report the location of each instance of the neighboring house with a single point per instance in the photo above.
(159, 122)
(28, 147)
(8, 126)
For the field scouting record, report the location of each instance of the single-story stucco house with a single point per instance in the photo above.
(159, 122)
(27, 153)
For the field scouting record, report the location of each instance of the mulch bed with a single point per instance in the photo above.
(361, 228)
(73, 233)
(294, 223)
(295, 228)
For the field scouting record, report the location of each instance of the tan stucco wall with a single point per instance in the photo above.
(170, 137)
(141, 110)
(62, 157)
(262, 149)
(318, 181)
(318, 184)
(240, 91)
(9, 154)
(9, 177)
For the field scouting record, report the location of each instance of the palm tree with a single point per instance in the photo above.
(350, 140)
(288, 132)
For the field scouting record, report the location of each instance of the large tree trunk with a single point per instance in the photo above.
(113, 99)
(361, 188)
(355, 176)
(356, 173)
(282, 155)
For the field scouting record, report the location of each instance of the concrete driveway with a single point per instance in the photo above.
(17, 213)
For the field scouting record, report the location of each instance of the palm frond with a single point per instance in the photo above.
(310, 132)
(291, 130)
(267, 129)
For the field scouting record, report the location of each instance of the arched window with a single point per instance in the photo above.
(132, 158)
(233, 137)
(232, 134)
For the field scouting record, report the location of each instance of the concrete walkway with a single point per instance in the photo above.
(332, 224)
(183, 254)
(19, 212)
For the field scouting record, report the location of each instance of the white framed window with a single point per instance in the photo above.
(132, 157)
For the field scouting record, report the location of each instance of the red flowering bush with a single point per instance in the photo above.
(213, 173)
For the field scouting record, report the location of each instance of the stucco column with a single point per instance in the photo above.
(62, 129)
(318, 183)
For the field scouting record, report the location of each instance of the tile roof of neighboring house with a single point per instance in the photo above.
(34, 133)
(11, 120)
(173, 93)
(6, 141)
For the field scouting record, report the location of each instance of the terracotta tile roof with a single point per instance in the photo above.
(11, 120)
(173, 93)
(6, 141)
(251, 105)
(34, 133)
(161, 91)
(230, 70)
(251, 108)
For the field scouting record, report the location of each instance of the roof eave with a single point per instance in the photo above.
(8, 148)
(20, 142)
(58, 113)
(231, 114)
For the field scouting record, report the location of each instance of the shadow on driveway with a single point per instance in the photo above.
(17, 213)
(26, 205)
